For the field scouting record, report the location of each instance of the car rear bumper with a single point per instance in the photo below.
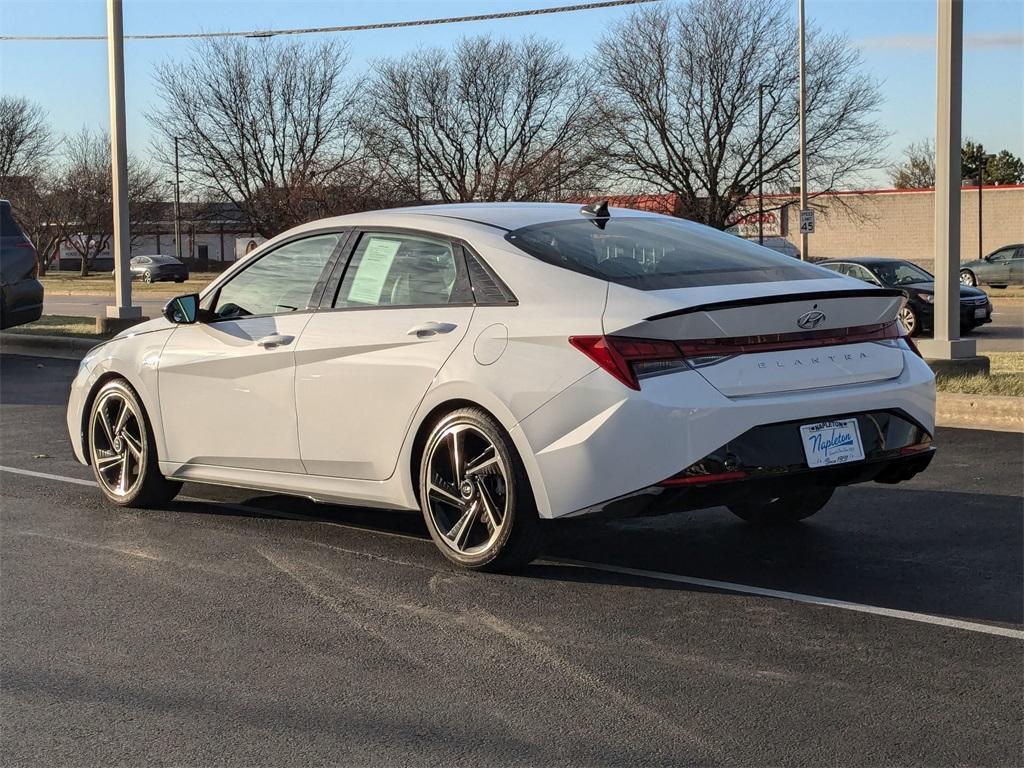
(768, 461)
(22, 302)
(598, 441)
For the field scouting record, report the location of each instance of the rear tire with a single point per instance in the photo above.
(475, 495)
(783, 510)
(122, 451)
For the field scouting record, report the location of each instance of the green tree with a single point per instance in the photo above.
(917, 171)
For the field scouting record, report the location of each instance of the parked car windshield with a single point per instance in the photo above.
(901, 273)
(654, 253)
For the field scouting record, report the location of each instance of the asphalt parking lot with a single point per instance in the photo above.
(242, 629)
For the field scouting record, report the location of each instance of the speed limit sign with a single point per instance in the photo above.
(806, 221)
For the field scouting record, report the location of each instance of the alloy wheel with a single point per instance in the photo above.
(966, 278)
(118, 444)
(909, 319)
(467, 489)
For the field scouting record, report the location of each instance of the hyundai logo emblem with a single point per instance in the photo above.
(812, 319)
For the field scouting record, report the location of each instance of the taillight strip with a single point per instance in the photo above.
(618, 354)
(777, 342)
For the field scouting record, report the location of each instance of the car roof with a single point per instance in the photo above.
(505, 216)
(866, 261)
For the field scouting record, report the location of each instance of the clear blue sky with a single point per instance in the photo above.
(896, 37)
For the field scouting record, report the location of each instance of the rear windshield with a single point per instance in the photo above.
(653, 253)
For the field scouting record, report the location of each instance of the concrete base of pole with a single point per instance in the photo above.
(962, 366)
(106, 325)
(947, 349)
(124, 313)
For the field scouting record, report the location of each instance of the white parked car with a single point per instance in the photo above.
(495, 365)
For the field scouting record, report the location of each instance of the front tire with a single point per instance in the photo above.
(122, 451)
(783, 510)
(147, 277)
(967, 278)
(475, 495)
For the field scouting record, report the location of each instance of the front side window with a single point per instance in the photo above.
(650, 253)
(1002, 255)
(393, 269)
(281, 281)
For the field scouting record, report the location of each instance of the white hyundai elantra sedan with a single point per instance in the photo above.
(496, 365)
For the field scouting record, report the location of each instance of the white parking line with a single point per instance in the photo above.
(725, 586)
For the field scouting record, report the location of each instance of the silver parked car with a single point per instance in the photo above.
(1003, 267)
(153, 269)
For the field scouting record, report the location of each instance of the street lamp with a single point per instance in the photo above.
(177, 201)
(982, 162)
(760, 163)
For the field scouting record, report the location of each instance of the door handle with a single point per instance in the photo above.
(274, 341)
(431, 328)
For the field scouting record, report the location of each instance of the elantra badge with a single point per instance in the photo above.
(812, 319)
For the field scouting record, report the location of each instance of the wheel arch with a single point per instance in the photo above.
(440, 406)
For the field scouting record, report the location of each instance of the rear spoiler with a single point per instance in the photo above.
(780, 299)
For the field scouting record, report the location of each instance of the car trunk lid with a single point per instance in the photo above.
(753, 339)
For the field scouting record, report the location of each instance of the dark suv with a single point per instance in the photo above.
(21, 299)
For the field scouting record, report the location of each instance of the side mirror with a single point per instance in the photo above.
(183, 310)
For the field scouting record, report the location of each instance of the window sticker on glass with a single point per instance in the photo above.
(373, 270)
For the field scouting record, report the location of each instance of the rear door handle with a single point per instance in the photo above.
(431, 328)
(274, 341)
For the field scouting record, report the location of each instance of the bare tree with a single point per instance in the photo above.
(679, 104)
(487, 120)
(917, 171)
(266, 125)
(86, 187)
(25, 139)
(42, 206)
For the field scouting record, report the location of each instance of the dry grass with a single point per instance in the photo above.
(102, 284)
(1007, 377)
(62, 325)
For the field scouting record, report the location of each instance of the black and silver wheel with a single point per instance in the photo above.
(122, 451)
(908, 317)
(967, 278)
(147, 276)
(475, 495)
(782, 510)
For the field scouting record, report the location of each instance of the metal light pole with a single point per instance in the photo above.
(177, 201)
(123, 309)
(982, 162)
(419, 187)
(946, 343)
(760, 164)
(803, 132)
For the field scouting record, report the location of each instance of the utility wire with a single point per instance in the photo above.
(346, 28)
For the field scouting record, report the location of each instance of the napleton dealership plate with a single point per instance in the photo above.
(828, 443)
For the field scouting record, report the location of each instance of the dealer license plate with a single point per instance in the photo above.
(831, 442)
(979, 312)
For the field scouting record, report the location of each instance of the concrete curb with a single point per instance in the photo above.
(45, 346)
(996, 412)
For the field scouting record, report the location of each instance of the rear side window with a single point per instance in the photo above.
(391, 269)
(650, 253)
